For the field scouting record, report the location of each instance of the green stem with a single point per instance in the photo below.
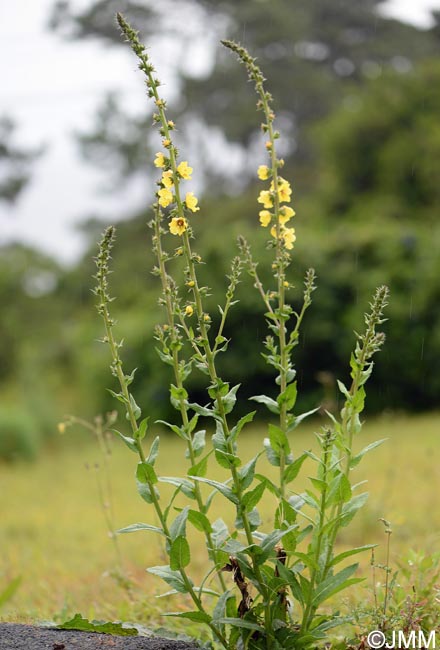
(310, 610)
(179, 383)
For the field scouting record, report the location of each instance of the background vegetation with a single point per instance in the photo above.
(358, 97)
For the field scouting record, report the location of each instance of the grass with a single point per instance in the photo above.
(53, 531)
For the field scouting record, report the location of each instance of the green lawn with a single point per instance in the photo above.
(53, 530)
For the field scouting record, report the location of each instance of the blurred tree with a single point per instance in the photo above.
(372, 220)
(15, 162)
(311, 52)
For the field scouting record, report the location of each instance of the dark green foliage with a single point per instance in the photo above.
(312, 51)
(15, 162)
(19, 438)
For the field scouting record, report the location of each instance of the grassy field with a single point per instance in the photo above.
(53, 530)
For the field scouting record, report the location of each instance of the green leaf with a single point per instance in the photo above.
(173, 578)
(145, 491)
(199, 521)
(229, 400)
(178, 527)
(241, 622)
(288, 396)
(274, 537)
(200, 468)
(180, 555)
(84, 625)
(145, 479)
(142, 429)
(198, 442)
(218, 389)
(235, 431)
(292, 470)
(272, 456)
(197, 617)
(186, 486)
(135, 408)
(145, 473)
(118, 396)
(177, 396)
(166, 358)
(130, 378)
(9, 590)
(220, 487)
(202, 410)
(154, 451)
(278, 440)
(130, 442)
(247, 472)
(333, 584)
(356, 459)
(226, 460)
(339, 489)
(344, 390)
(135, 527)
(270, 403)
(220, 533)
(192, 423)
(253, 518)
(295, 421)
(352, 551)
(350, 509)
(253, 497)
(174, 428)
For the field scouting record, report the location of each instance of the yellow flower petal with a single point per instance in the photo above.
(263, 172)
(167, 179)
(165, 197)
(178, 225)
(287, 235)
(265, 217)
(159, 161)
(286, 213)
(266, 199)
(189, 311)
(191, 202)
(185, 170)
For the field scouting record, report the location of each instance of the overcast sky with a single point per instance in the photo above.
(52, 89)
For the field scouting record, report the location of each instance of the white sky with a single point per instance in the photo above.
(52, 89)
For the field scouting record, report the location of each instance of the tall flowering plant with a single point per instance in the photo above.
(263, 588)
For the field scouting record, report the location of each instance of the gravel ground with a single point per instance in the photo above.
(29, 637)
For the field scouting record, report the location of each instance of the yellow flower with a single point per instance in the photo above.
(165, 197)
(286, 213)
(265, 217)
(286, 234)
(189, 310)
(167, 179)
(178, 225)
(190, 283)
(266, 199)
(191, 202)
(61, 427)
(206, 318)
(171, 124)
(159, 161)
(166, 142)
(289, 237)
(179, 251)
(185, 170)
(284, 190)
(263, 172)
(268, 145)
